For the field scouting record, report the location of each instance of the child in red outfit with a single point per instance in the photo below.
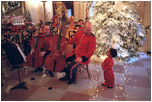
(107, 68)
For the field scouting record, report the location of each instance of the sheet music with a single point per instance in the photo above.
(21, 52)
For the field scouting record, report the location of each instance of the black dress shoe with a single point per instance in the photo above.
(103, 85)
(39, 69)
(109, 87)
(106, 86)
(71, 81)
(51, 74)
(65, 78)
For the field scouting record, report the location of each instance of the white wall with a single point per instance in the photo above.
(37, 11)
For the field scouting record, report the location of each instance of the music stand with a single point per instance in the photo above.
(21, 84)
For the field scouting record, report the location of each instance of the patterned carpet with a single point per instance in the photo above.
(132, 83)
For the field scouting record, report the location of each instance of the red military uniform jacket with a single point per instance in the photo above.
(46, 41)
(85, 45)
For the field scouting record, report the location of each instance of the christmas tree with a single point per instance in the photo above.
(116, 24)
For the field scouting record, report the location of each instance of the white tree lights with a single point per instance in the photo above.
(117, 25)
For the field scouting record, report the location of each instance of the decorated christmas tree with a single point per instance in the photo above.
(116, 24)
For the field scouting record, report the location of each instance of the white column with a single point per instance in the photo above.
(147, 22)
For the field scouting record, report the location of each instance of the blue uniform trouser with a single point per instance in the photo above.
(71, 67)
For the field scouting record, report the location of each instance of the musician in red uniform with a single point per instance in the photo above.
(107, 68)
(45, 50)
(47, 37)
(85, 46)
(79, 25)
(80, 22)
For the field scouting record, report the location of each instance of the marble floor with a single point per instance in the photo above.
(132, 83)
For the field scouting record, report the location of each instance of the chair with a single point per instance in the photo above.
(79, 70)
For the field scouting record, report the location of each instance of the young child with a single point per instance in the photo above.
(107, 68)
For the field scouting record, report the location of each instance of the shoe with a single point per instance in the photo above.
(39, 69)
(65, 78)
(106, 86)
(103, 85)
(109, 87)
(71, 81)
(51, 74)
